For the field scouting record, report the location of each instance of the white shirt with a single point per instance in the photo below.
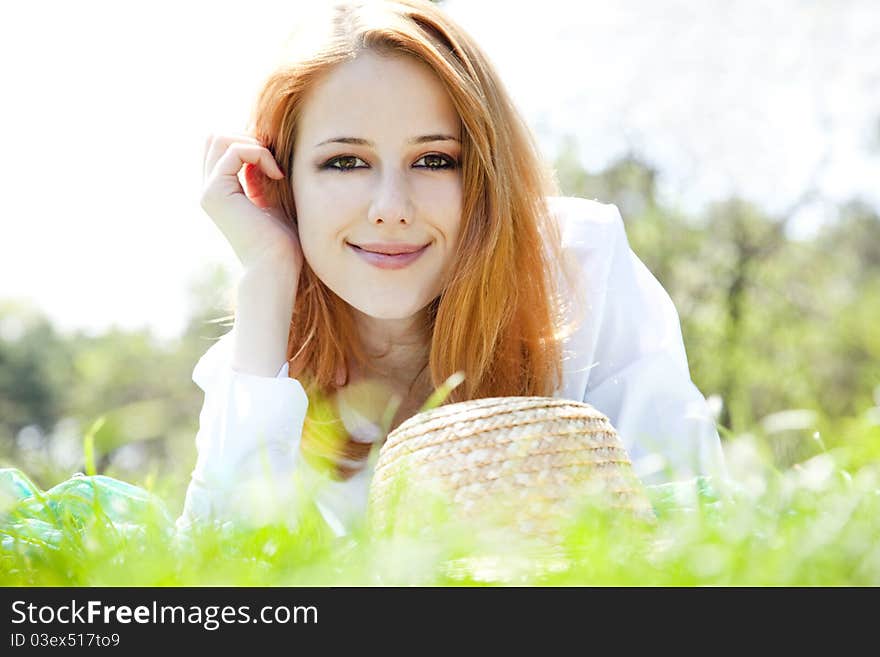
(627, 359)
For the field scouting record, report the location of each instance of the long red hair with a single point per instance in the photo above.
(500, 319)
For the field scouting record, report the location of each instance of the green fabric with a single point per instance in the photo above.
(686, 495)
(31, 517)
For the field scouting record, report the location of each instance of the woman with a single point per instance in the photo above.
(398, 227)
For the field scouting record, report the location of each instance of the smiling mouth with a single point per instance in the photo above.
(386, 260)
(355, 246)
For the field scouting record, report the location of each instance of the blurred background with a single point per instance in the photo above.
(740, 141)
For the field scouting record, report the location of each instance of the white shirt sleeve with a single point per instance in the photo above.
(640, 377)
(248, 442)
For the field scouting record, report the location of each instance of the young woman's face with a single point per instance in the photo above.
(395, 180)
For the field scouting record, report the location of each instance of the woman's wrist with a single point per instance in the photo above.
(265, 298)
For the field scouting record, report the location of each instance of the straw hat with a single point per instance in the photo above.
(534, 460)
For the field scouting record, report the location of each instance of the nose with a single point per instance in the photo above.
(391, 202)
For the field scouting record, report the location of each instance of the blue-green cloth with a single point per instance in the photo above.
(30, 517)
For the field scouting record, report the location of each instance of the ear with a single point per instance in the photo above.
(258, 186)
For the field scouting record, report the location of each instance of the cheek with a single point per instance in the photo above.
(444, 200)
(309, 240)
(452, 216)
(317, 239)
(316, 213)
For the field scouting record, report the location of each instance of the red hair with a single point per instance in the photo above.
(500, 317)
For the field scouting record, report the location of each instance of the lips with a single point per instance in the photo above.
(389, 248)
(387, 261)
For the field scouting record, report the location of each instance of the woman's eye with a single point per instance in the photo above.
(432, 162)
(346, 162)
(435, 161)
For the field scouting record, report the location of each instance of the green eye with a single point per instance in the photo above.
(344, 160)
(437, 161)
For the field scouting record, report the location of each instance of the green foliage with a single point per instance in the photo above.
(57, 386)
(32, 363)
(813, 524)
(770, 324)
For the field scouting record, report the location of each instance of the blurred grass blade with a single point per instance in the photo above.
(89, 445)
(441, 393)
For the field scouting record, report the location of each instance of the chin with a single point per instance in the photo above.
(391, 311)
(391, 307)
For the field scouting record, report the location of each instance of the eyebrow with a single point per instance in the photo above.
(365, 142)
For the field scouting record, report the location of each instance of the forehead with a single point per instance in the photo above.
(375, 95)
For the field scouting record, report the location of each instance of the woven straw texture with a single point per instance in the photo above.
(537, 458)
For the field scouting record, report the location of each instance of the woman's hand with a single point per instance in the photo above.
(256, 231)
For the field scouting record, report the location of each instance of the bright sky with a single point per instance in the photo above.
(107, 104)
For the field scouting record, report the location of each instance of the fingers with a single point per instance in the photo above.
(217, 146)
(237, 154)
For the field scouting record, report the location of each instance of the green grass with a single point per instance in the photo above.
(816, 523)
